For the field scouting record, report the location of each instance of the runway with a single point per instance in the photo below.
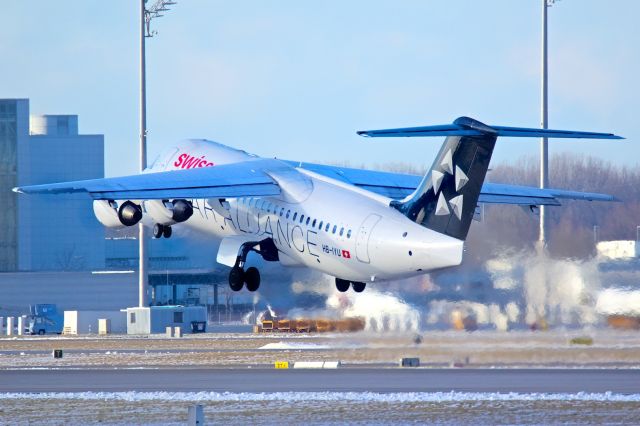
(349, 379)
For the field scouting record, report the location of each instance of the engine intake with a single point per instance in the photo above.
(165, 212)
(129, 213)
(182, 210)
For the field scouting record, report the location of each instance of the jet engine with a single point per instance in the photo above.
(114, 215)
(166, 213)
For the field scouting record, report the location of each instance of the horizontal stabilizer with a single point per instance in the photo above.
(465, 126)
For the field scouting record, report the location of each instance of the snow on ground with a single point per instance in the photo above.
(293, 397)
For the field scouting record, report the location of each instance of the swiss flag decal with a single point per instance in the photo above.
(346, 254)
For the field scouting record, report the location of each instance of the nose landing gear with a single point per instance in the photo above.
(343, 285)
(358, 287)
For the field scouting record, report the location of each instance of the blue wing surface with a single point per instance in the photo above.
(225, 181)
(399, 185)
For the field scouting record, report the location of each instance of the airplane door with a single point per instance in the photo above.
(364, 233)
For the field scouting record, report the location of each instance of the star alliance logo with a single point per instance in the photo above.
(461, 179)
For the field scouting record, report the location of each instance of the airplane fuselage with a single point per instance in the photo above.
(317, 222)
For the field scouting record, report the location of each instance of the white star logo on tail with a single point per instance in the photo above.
(461, 179)
(447, 163)
(437, 177)
(456, 205)
(442, 209)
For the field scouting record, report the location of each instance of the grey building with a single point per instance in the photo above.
(47, 232)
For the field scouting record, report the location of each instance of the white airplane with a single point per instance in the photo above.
(358, 226)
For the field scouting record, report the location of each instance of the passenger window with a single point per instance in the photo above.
(313, 224)
(288, 213)
(334, 229)
(320, 226)
(326, 228)
(301, 218)
(294, 216)
(308, 219)
(341, 231)
(349, 233)
(282, 211)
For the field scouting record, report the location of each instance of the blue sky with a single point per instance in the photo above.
(296, 79)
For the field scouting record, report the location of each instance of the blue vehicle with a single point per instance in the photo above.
(44, 319)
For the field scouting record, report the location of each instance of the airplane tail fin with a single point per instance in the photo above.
(447, 196)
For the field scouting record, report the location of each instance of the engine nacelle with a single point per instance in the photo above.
(165, 212)
(112, 215)
(129, 213)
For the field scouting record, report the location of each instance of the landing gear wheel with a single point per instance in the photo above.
(158, 230)
(358, 287)
(342, 285)
(252, 278)
(166, 232)
(236, 278)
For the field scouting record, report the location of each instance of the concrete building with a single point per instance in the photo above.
(43, 232)
(53, 249)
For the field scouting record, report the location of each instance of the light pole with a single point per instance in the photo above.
(544, 117)
(146, 15)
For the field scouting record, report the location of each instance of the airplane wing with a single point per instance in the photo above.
(252, 179)
(399, 185)
(245, 179)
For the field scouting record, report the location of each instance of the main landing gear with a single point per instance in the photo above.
(160, 231)
(343, 285)
(238, 276)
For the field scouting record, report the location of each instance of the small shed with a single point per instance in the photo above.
(155, 319)
(86, 322)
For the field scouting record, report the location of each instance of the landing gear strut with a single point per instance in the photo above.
(238, 277)
(343, 285)
(162, 231)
